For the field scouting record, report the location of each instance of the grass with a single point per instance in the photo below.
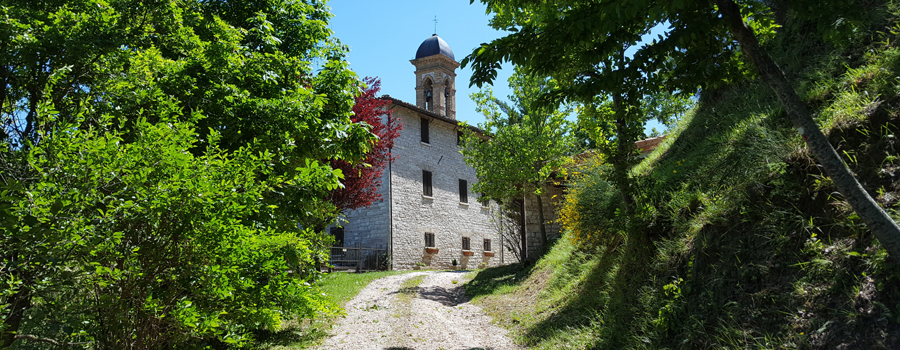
(339, 287)
(409, 289)
(747, 245)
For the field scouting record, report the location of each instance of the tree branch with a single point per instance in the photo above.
(48, 340)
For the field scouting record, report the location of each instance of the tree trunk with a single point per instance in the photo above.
(540, 204)
(19, 303)
(3, 83)
(620, 160)
(884, 228)
(522, 230)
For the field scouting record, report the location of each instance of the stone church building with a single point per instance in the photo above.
(428, 214)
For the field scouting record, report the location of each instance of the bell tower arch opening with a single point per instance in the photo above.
(429, 94)
(435, 75)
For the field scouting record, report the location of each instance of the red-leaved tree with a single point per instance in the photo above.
(361, 180)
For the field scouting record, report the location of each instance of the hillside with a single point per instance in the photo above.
(746, 245)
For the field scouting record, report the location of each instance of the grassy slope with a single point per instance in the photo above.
(750, 247)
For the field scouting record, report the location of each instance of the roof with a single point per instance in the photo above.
(645, 146)
(433, 46)
(431, 114)
(648, 145)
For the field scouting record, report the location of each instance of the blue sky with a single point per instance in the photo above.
(383, 36)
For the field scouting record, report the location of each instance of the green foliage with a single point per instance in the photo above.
(751, 247)
(164, 168)
(338, 288)
(592, 210)
(123, 240)
(528, 140)
(666, 108)
(583, 43)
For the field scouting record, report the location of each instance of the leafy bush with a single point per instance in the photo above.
(163, 168)
(592, 208)
(143, 243)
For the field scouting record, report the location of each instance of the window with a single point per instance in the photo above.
(426, 183)
(487, 245)
(429, 240)
(338, 233)
(424, 124)
(484, 200)
(446, 103)
(429, 94)
(459, 137)
(466, 243)
(463, 191)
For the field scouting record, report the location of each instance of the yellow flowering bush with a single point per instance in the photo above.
(591, 208)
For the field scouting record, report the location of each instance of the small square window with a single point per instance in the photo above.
(487, 245)
(429, 240)
(466, 243)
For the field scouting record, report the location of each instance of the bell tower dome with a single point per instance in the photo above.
(436, 77)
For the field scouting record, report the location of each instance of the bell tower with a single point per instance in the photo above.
(436, 77)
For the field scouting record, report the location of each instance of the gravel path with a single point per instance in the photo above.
(436, 315)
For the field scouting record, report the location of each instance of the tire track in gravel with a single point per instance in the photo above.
(436, 316)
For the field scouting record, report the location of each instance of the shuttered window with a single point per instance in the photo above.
(429, 240)
(424, 123)
(463, 191)
(426, 183)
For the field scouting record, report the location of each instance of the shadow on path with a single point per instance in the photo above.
(447, 297)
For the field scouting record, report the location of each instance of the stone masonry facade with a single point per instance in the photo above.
(370, 227)
(405, 215)
(550, 198)
(442, 213)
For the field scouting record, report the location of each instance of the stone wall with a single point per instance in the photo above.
(414, 214)
(370, 227)
(551, 198)
(442, 213)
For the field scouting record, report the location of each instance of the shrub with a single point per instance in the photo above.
(143, 243)
(592, 206)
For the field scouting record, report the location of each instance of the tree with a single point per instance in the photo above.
(506, 221)
(610, 86)
(614, 126)
(529, 142)
(662, 106)
(163, 167)
(708, 44)
(666, 107)
(362, 179)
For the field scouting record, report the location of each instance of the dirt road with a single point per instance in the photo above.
(396, 312)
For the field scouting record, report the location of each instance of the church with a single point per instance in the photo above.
(428, 217)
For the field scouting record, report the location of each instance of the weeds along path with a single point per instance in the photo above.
(420, 310)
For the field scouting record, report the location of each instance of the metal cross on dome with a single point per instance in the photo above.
(435, 24)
